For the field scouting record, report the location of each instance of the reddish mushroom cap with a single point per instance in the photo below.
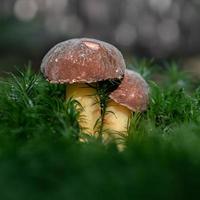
(133, 92)
(83, 60)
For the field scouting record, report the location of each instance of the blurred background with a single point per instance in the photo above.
(160, 29)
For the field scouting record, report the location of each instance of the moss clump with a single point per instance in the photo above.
(41, 157)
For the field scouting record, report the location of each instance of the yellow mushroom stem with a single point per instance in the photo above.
(90, 108)
(116, 122)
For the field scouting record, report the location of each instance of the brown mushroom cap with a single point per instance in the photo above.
(83, 60)
(133, 92)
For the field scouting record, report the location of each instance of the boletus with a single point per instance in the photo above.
(85, 65)
(132, 95)
(80, 64)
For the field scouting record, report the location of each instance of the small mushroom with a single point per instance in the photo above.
(132, 95)
(79, 63)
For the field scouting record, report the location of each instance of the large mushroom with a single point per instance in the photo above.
(80, 63)
(132, 95)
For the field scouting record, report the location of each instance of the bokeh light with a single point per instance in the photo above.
(25, 10)
(125, 34)
(157, 28)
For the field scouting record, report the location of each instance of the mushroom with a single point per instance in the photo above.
(80, 63)
(132, 95)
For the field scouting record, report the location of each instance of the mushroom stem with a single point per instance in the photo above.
(90, 109)
(116, 122)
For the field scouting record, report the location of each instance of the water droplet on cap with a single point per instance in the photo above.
(82, 55)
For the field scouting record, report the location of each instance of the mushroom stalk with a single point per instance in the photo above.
(90, 109)
(116, 122)
(132, 95)
(80, 61)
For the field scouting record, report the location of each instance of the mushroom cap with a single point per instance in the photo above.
(83, 60)
(133, 92)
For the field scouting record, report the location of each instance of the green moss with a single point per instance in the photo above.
(41, 158)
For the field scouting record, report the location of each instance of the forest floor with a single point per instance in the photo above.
(41, 158)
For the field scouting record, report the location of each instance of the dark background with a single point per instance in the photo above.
(160, 29)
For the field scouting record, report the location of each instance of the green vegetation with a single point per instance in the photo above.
(41, 158)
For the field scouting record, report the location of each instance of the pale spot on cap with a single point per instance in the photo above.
(92, 45)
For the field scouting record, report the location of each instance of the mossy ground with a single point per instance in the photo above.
(41, 158)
